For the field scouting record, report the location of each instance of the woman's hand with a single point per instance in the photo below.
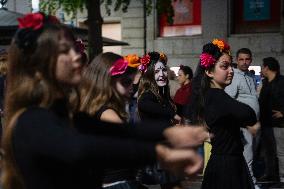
(277, 114)
(179, 161)
(188, 136)
(254, 129)
(177, 118)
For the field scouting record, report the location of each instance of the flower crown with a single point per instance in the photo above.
(207, 59)
(30, 26)
(150, 57)
(118, 67)
(133, 60)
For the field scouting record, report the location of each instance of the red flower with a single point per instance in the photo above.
(32, 20)
(145, 59)
(226, 46)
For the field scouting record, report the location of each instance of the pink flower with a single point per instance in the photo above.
(207, 60)
(142, 68)
(32, 20)
(118, 67)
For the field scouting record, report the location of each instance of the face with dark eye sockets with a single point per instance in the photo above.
(161, 74)
(123, 85)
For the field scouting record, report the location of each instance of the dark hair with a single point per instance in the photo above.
(31, 82)
(200, 85)
(96, 87)
(187, 71)
(271, 63)
(148, 82)
(244, 51)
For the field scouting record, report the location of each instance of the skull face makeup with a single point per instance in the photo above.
(161, 74)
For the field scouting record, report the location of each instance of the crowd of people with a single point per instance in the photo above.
(112, 122)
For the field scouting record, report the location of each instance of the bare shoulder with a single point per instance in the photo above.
(110, 115)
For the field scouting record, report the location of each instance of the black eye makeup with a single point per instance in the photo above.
(126, 82)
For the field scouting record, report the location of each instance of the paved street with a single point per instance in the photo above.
(196, 184)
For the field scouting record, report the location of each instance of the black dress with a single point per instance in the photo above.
(152, 110)
(51, 154)
(120, 178)
(226, 168)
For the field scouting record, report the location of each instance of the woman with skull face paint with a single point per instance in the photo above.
(154, 101)
(155, 104)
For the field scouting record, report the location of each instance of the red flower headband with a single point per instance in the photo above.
(146, 60)
(30, 26)
(35, 21)
(118, 67)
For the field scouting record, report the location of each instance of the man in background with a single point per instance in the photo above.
(243, 89)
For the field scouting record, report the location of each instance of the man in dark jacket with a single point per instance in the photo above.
(272, 115)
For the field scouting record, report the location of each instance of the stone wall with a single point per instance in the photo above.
(21, 6)
(186, 50)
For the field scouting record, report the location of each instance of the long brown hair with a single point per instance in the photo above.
(97, 87)
(31, 81)
(148, 82)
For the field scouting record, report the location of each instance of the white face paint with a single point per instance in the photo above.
(161, 74)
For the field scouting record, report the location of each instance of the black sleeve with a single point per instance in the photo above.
(280, 95)
(150, 131)
(148, 103)
(240, 111)
(39, 132)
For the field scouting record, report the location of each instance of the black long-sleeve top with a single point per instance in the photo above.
(150, 109)
(272, 98)
(224, 117)
(51, 154)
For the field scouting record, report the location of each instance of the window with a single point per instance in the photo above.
(175, 69)
(256, 71)
(256, 16)
(187, 19)
(113, 31)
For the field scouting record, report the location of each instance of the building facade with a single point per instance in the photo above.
(255, 24)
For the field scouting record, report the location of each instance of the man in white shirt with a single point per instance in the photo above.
(243, 89)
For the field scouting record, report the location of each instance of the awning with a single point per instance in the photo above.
(83, 34)
(9, 26)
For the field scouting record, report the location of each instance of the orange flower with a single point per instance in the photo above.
(163, 57)
(133, 60)
(219, 43)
